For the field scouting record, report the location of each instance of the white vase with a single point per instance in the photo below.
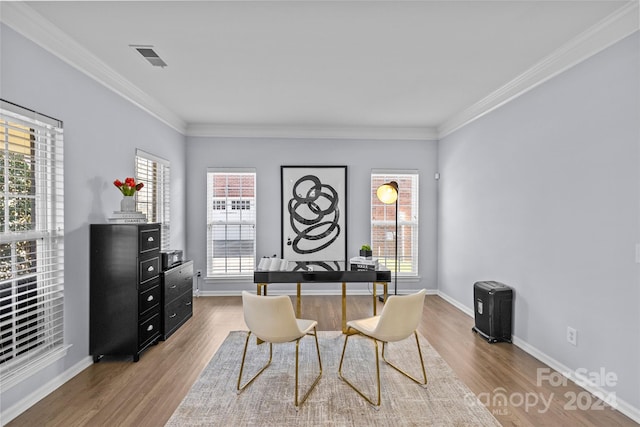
(128, 204)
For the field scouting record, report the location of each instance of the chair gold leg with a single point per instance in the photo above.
(296, 403)
(424, 374)
(244, 355)
(346, 340)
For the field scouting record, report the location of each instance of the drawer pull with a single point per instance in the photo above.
(150, 269)
(172, 316)
(173, 287)
(188, 304)
(149, 328)
(150, 298)
(150, 239)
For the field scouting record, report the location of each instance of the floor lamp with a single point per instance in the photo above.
(388, 193)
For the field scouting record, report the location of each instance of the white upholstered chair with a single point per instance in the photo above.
(398, 320)
(272, 319)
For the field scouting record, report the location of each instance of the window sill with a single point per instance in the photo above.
(33, 367)
(411, 279)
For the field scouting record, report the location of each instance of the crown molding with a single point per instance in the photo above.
(313, 132)
(26, 21)
(618, 25)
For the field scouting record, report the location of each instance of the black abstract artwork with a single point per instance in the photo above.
(313, 213)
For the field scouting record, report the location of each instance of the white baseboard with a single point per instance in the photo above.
(629, 410)
(28, 401)
(617, 403)
(463, 308)
(307, 291)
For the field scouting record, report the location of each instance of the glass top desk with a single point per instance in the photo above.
(321, 273)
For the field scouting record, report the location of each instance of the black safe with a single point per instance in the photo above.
(493, 308)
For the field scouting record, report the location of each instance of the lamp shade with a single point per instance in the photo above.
(388, 193)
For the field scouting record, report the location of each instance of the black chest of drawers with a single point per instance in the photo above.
(177, 297)
(125, 292)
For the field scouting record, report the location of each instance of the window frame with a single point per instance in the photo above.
(234, 206)
(408, 224)
(155, 173)
(36, 295)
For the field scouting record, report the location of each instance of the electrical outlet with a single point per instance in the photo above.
(198, 273)
(572, 336)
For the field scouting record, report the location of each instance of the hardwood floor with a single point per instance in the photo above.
(121, 393)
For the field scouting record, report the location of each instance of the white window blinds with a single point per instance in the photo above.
(231, 222)
(383, 222)
(31, 242)
(154, 198)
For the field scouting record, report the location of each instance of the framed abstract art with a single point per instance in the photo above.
(314, 213)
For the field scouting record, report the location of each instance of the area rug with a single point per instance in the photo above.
(213, 401)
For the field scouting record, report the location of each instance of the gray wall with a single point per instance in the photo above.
(101, 133)
(267, 155)
(542, 194)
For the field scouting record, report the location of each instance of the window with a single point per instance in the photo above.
(383, 222)
(237, 205)
(154, 198)
(231, 222)
(31, 242)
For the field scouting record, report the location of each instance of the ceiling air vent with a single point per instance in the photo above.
(150, 55)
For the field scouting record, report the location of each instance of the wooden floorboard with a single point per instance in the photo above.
(120, 392)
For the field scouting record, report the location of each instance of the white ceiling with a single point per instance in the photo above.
(410, 69)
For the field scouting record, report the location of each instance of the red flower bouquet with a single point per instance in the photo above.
(128, 187)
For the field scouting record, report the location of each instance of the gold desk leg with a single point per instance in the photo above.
(259, 292)
(375, 304)
(298, 301)
(344, 307)
(375, 291)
